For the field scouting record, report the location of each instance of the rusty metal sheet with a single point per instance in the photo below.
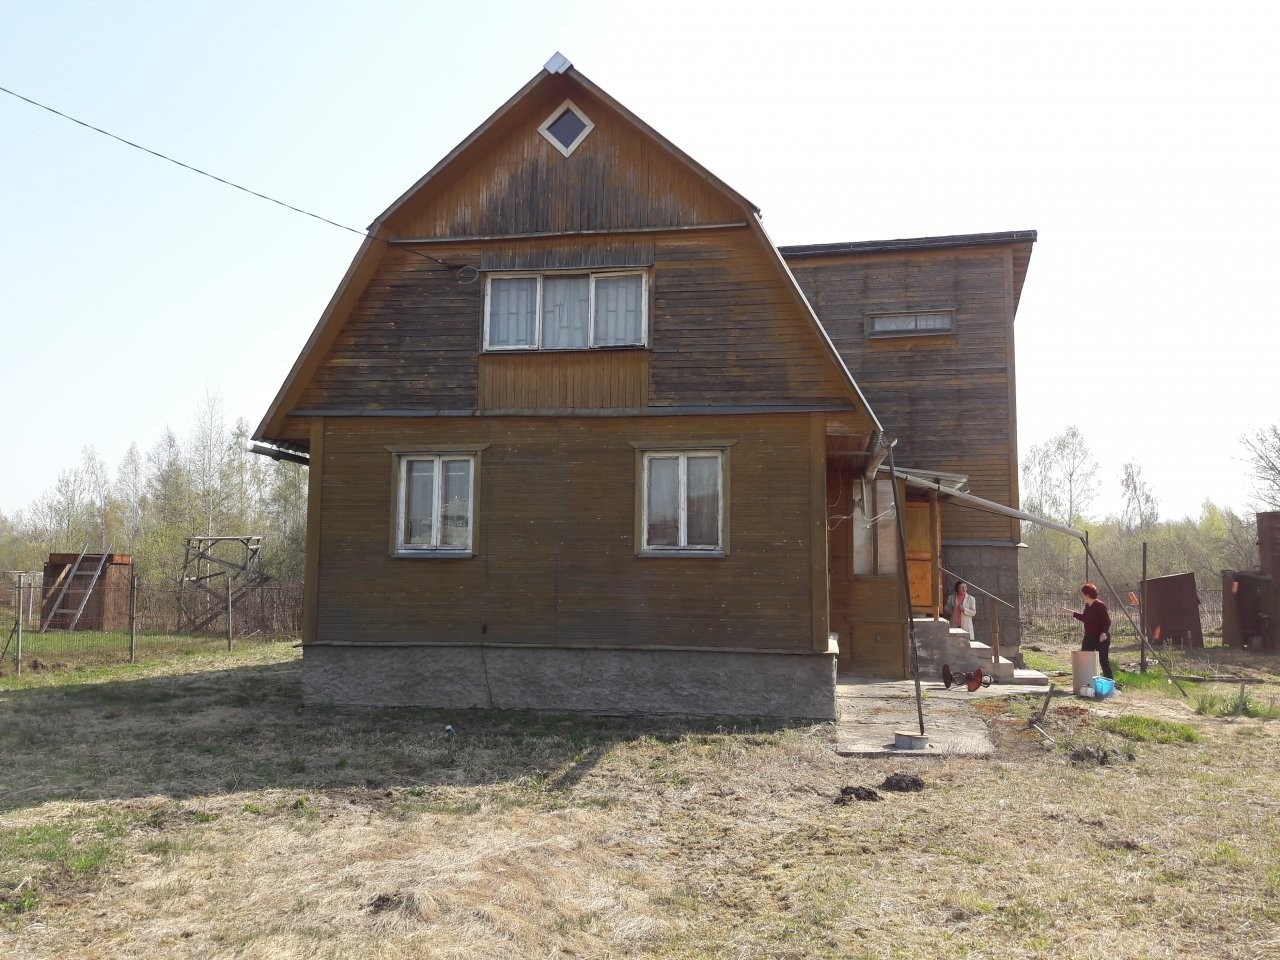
(1173, 610)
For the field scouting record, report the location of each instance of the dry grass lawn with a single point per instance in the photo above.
(192, 808)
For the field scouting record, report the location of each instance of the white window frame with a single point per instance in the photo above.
(915, 315)
(592, 277)
(545, 128)
(683, 548)
(435, 548)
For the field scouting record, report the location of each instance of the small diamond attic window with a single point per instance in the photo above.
(566, 127)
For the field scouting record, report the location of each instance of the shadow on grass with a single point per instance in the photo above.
(229, 730)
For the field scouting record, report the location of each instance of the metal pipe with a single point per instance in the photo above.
(275, 453)
(133, 618)
(991, 506)
(18, 651)
(1142, 611)
(906, 587)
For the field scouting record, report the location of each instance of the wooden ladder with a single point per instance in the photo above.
(76, 571)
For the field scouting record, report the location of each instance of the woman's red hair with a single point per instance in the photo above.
(1090, 591)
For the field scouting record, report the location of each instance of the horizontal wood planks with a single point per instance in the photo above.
(723, 330)
(556, 544)
(726, 330)
(947, 398)
(562, 380)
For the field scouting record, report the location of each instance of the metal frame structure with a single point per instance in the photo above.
(235, 561)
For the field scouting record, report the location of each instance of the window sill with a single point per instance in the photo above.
(677, 553)
(432, 554)
(601, 349)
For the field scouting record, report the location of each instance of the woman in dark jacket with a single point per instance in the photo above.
(1097, 627)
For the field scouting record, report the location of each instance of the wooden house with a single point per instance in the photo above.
(926, 327)
(573, 429)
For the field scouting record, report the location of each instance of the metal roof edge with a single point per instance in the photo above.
(911, 243)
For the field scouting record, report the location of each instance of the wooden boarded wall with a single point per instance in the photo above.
(556, 544)
(948, 398)
(723, 331)
(512, 180)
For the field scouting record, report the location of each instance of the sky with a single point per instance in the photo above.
(1140, 140)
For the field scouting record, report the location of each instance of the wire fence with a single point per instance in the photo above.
(1042, 611)
(122, 619)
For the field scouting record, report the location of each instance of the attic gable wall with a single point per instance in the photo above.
(512, 181)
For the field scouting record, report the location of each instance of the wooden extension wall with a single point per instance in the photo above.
(555, 537)
(949, 399)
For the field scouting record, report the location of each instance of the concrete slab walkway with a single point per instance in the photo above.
(872, 709)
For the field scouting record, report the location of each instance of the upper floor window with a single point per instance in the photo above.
(566, 311)
(909, 324)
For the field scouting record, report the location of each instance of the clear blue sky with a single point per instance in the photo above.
(1140, 140)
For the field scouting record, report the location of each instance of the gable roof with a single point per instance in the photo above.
(381, 234)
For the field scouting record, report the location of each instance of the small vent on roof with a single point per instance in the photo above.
(566, 127)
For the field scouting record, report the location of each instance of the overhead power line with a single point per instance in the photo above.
(211, 176)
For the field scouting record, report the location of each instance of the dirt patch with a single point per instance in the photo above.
(851, 794)
(902, 783)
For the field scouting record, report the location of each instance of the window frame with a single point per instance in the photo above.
(544, 128)
(592, 276)
(400, 469)
(644, 454)
(874, 334)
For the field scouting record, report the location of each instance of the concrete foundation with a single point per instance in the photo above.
(691, 683)
(994, 568)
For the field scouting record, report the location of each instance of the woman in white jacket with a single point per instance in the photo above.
(962, 608)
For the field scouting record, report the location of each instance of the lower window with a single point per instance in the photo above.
(434, 503)
(683, 501)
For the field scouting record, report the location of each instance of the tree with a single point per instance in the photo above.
(1264, 456)
(1060, 477)
(1141, 510)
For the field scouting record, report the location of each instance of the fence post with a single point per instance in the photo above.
(133, 618)
(1142, 610)
(229, 613)
(17, 655)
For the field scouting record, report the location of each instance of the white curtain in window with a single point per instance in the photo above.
(566, 303)
(513, 306)
(619, 318)
(419, 499)
(702, 522)
(664, 502)
(455, 504)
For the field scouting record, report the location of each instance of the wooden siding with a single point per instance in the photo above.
(563, 380)
(410, 342)
(726, 330)
(511, 180)
(947, 398)
(723, 331)
(556, 552)
(866, 612)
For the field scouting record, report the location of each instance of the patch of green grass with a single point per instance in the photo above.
(1211, 704)
(1134, 726)
(1154, 679)
(1224, 853)
(1043, 662)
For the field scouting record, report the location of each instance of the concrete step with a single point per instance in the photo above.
(1030, 678)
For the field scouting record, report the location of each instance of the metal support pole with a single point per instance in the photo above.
(18, 651)
(1086, 556)
(906, 588)
(1142, 611)
(133, 618)
(228, 613)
